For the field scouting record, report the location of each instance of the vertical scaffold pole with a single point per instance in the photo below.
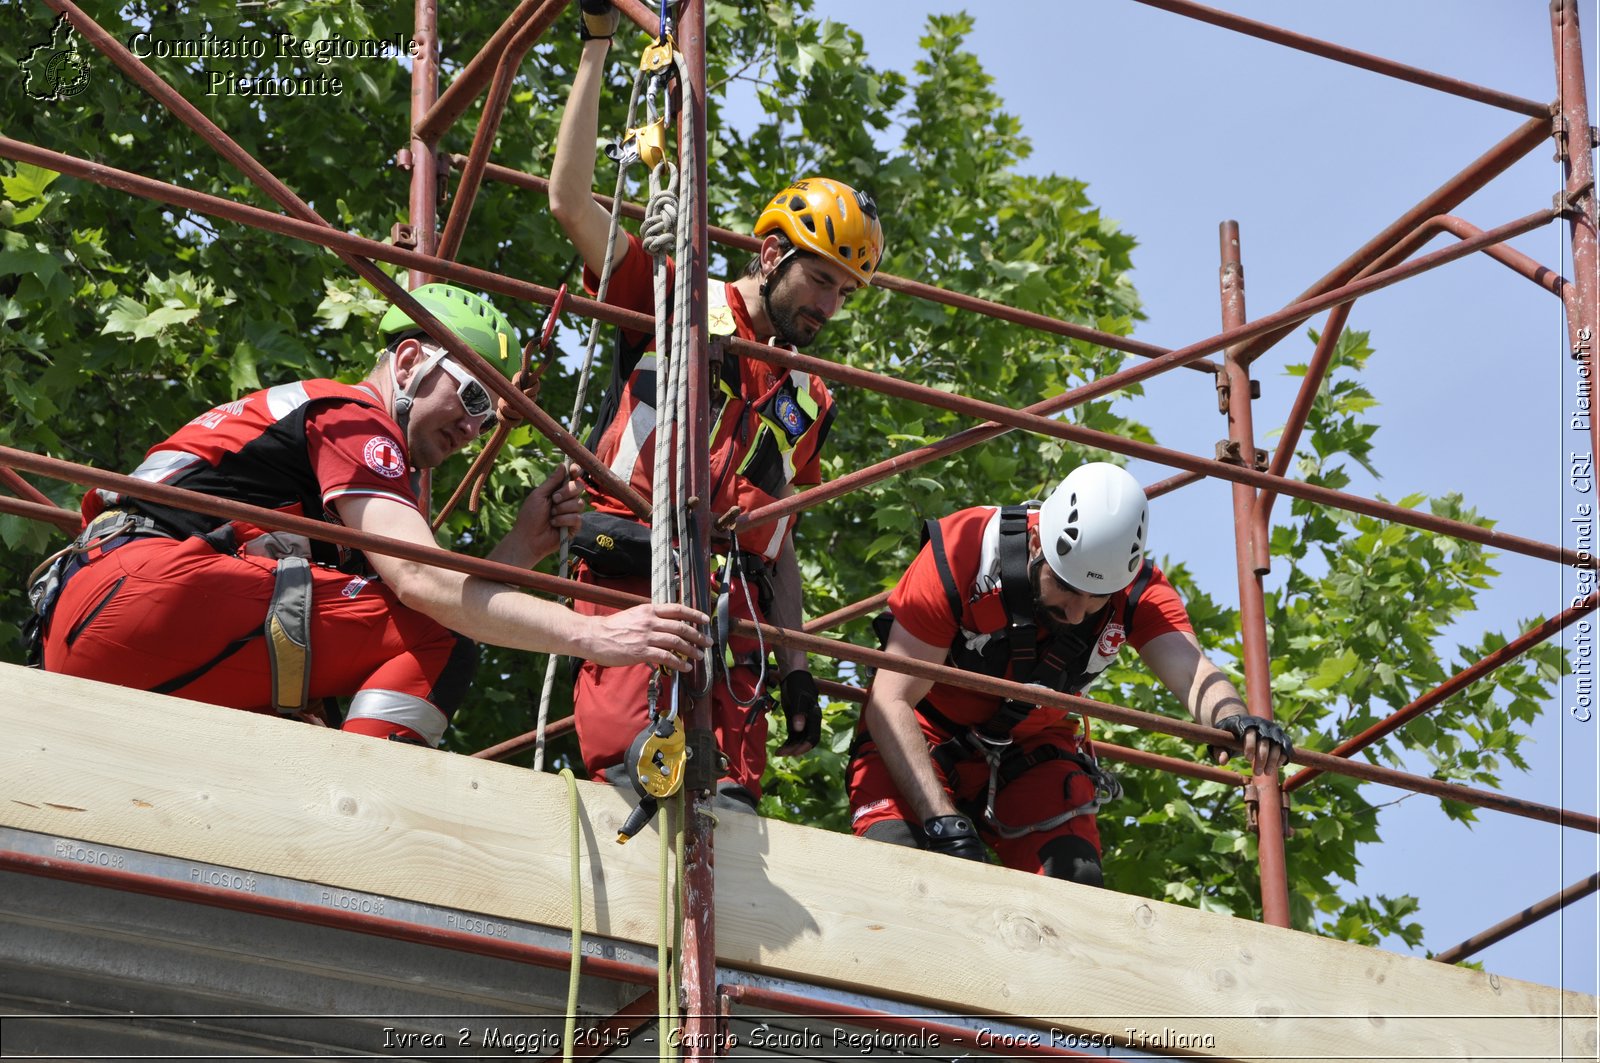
(1252, 609)
(699, 988)
(1576, 147)
(424, 168)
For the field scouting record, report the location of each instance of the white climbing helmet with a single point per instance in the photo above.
(1092, 528)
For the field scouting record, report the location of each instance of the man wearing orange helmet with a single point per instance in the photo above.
(821, 242)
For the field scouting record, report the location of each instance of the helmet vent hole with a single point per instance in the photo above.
(810, 223)
(846, 252)
(797, 203)
(1063, 544)
(827, 223)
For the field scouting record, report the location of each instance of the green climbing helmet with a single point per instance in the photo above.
(471, 317)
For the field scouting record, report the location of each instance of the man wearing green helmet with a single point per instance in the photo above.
(226, 612)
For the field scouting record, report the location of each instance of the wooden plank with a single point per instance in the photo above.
(102, 764)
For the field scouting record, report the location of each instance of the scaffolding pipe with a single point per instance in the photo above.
(1452, 686)
(1523, 919)
(505, 75)
(699, 952)
(1252, 609)
(617, 1030)
(846, 614)
(50, 513)
(887, 281)
(1575, 147)
(422, 154)
(432, 125)
(527, 291)
(22, 488)
(1349, 56)
(524, 742)
(1442, 200)
(475, 566)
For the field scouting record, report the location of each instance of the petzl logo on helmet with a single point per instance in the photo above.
(55, 69)
(382, 456)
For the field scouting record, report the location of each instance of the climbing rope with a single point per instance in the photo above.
(574, 841)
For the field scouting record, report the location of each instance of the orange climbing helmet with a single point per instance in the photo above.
(831, 219)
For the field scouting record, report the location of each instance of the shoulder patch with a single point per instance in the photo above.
(382, 456)
(719, 320)
(789, 414)
(1111, 640)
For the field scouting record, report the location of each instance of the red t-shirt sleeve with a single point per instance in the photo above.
(354, 450)
(920, 602)
(632, 284)
(1160, 612)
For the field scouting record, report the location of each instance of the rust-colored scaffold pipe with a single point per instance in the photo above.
(1252, 608)
(528, 291)
(1452, 686)
(422, 154)
(320, 231)
(43, 512)
(432, 125)
(22, 488)
(228, 509)
(699, 955)
(1523, 919)
(505, 75)
(1341, 54)
(1442, 200)
(1576, 149)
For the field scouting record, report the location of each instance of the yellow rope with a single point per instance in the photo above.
(569, 1034)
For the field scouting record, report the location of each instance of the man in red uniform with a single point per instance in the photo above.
(221, 611)
(1046, 596)
(822, 241)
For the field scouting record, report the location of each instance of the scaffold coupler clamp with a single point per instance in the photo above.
(1252, 809)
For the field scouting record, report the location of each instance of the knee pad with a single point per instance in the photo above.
(893, 831)
(1073, 859)
(450, 689)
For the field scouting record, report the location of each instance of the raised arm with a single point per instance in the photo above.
(585, 222)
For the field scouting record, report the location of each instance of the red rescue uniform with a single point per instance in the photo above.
(921, 604)
(182, 612)
(768, 428)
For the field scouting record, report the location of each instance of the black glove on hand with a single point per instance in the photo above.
(1265, 730)
(955, 836)
(797, 692)
(599, 20)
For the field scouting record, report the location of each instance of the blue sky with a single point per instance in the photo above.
(1177, 125)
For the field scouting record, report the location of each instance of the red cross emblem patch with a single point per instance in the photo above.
(382, 455)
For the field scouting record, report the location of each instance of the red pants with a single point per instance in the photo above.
(152, 610)
(1043, 791)
(612, 705)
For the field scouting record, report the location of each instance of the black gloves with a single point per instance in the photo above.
(1267, 734)
(598, 21)
(955, 836)
(797, 692)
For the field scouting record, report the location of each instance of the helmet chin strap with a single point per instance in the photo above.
(406, 397)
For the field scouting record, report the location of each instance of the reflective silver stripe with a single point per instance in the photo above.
(285, 399)
(641, 426)
(163, 465)
(405, 710)
(775, 540)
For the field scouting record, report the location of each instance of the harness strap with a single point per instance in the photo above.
(288, 634)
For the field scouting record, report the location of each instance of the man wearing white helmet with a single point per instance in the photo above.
(1046, 596)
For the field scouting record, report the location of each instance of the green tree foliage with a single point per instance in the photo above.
(120, 318)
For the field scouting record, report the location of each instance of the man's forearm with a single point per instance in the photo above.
(585, 222)
(787, 609)
(904, 749)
